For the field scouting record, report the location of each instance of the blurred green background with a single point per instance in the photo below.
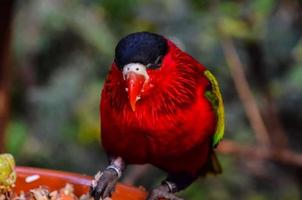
(61, 51)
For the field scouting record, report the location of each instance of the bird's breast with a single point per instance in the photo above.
(152, 133)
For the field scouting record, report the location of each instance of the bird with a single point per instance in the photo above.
(160, 106)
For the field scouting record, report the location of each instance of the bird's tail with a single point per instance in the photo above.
(212, 166)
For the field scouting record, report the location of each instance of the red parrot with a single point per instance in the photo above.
(160, 106)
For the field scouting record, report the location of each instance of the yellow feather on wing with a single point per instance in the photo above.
(215, 97)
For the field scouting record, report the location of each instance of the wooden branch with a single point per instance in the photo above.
(269, 111)
(283, 156)
(244, 92)
(6, 9)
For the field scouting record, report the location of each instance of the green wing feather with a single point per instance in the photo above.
(215, 97)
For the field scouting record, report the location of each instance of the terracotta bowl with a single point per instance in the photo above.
(56, 180)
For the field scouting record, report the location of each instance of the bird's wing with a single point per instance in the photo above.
(215, 97)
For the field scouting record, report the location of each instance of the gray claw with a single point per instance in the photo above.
(104, 184)
(162, 192)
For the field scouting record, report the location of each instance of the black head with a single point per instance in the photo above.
(141, 47)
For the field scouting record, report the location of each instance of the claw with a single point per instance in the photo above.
(103, 185)
(162, 192)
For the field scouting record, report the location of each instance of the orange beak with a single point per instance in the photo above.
(135, 83)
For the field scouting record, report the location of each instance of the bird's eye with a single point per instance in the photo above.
(156, 64)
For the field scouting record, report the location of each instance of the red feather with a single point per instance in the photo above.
(173, 122)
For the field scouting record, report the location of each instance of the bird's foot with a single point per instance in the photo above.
(103, 184)
(162, 192)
